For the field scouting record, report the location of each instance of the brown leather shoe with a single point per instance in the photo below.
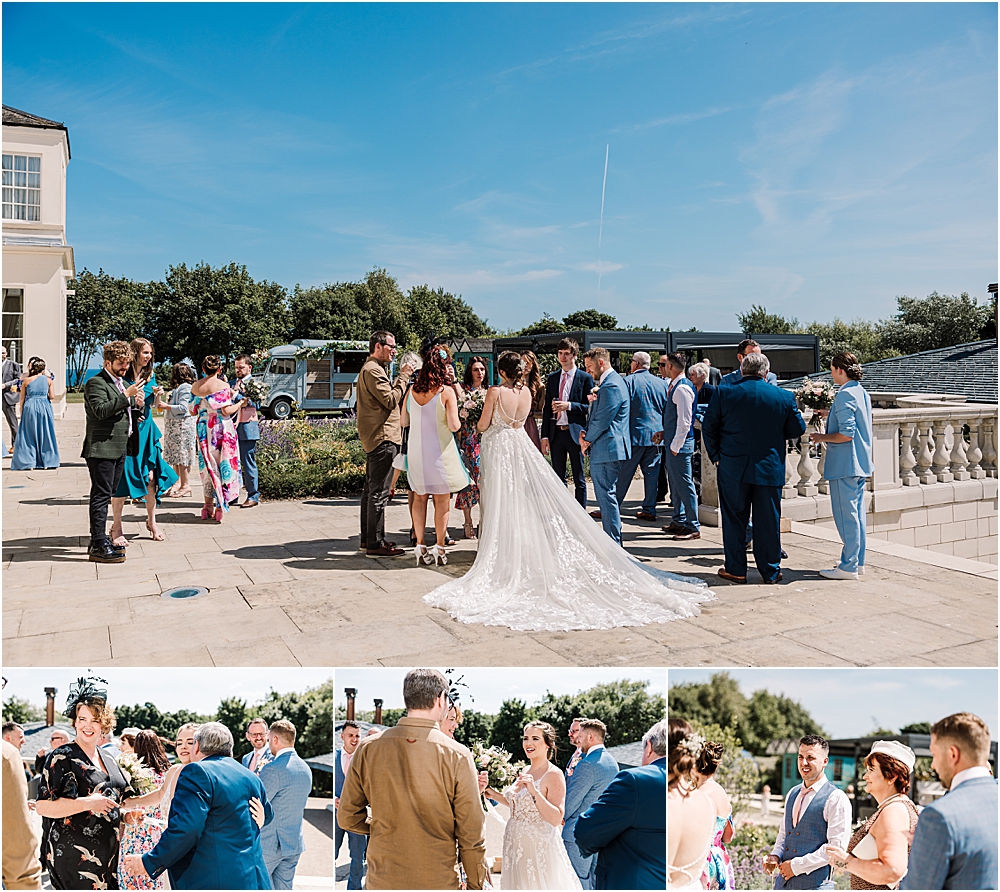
(386, 550)
(644, 515)
(674, 528)
(596, 514)
(687, 534)
(774, 581)
(732, 577)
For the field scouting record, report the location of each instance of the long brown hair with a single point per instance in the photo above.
(146, 372)
(149, 748)
(434, 372)
(532, 376)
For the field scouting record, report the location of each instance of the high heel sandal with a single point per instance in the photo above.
(470, 531)
(439, 554)
(422, 554)
(218, 515)
(204, 513)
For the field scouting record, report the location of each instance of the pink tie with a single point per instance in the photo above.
(253, 761)
(798, 807)
(347, 761)
(562, 387)
(121, 387)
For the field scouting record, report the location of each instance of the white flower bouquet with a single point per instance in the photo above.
(815, 395)
(495, 761)
(470, 407)
(139, 776)
(255, 391)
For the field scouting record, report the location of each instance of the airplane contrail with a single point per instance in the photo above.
(600, 231)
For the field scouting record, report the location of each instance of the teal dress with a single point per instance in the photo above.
(150, 458)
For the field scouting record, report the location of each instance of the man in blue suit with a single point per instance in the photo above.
(744, 349)
(627, 826)
(648, 396)
(607, 438)
(288, 782)
(564, 416)
(678, 449)
(745, 432)
(257, 737)
(247, 431)
(357, 843)
(584, 787)
(955, 843)
(211, 840)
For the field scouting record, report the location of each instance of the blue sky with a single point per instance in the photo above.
(853, 702)
(488, 688)
(199, 690)
(818, 159)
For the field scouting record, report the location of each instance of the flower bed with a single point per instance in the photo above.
(300, 458)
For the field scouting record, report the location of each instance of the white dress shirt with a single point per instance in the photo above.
(345, 760)
(284, 749)
(683, 398)
(254, 762)
(836, 813)
(969, 774)
(565, 387)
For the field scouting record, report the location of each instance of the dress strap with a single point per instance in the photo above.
(513, 421)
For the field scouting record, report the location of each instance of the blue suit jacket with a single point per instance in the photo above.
(211, 841)
(850, 415)
(607, 431)
(589, 779)
(288, 782)
(582, 384)
(736, 375)
(627, 827)
(648, 395)
(955, 845)
(745, 430)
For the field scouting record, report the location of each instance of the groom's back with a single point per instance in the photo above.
(421, 786)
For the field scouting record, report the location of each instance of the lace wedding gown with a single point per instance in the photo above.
(543, 563)
(534, 854)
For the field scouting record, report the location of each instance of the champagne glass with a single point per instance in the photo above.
(771, 863)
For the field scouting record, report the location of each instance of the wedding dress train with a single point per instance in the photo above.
(534, 854)
(543, 563)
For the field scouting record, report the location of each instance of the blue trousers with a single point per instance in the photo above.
(682, 490)
(283, 872)
(847, 497)
(357, 845)
(647, 458)
(736, 499)
(604, 476)
(248, 463)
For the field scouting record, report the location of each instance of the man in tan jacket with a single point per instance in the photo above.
(424, 795)
(378, 403)
(21, 867)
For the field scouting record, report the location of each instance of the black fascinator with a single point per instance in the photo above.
(429, 342)
(83, 689)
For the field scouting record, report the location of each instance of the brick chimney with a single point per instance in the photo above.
(351, 694)
(378, 711)
(50, 707)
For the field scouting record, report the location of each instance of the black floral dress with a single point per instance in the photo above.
(81, 851)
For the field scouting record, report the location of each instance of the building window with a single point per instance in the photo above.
(13, 323)
(22, 187)
(838, 769)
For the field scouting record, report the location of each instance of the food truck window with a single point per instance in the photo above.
(349, 363)
(282, 367)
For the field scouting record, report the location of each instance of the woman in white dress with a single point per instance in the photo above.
(534, 854)
(690, 813)
(543, 564)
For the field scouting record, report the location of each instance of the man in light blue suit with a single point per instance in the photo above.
(606, 438)
(648, 397)
(627, 826)
(211, 840)
(745, 348)
(357, 843)
(288, 782)
(257, 737)
(955, 843)
(584, 787)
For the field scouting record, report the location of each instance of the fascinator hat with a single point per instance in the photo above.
(84, 689)
(895, 750)
(431, 341)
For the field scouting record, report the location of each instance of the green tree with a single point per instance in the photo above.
(770, 717)
(861, 337)
(546, 325)
(330, 312)
(475, 726)
(103, 308)
(759, 320)
(916, 728)
(508, 727)
(939, 320)
(379, 296)
(431, 311)
(737, 772)
(17, 709)
(201, 311)
(583, 320)
(719, 702)
(148, 717)
(234, 715)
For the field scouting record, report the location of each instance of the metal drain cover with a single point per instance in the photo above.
(185, 591)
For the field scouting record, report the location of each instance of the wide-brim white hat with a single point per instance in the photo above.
(895, 750)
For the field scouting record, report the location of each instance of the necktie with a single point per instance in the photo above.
(563, 388)
(253, 761)
(347, 761)
(121, 387)
(799, 806)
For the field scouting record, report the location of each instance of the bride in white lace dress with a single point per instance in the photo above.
(543, 564)
(534, 855)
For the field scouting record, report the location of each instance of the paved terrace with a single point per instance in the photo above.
(288, 587)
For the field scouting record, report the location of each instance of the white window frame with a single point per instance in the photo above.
(22, 189)
(15, 346)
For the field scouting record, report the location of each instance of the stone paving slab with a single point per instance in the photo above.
(288, 586)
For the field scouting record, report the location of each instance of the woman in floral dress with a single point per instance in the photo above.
(144, 825)
(218, 446)
(468, 443)
(82, 790)
(180, 439)
(718, 873)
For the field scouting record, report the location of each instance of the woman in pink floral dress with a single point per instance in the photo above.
(218, 446)
(143, 826)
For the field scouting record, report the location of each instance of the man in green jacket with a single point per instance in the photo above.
(107, 401)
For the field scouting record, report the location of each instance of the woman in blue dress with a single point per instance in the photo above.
(146, 475)
(35, 446)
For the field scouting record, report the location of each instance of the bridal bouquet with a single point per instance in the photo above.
(470, 410)
(815, 395)
(139, 776)
(256, 391)
(495, 761)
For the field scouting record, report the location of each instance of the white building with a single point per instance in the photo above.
(37, 261)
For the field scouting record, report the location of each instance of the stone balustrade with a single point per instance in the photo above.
(935, 480)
